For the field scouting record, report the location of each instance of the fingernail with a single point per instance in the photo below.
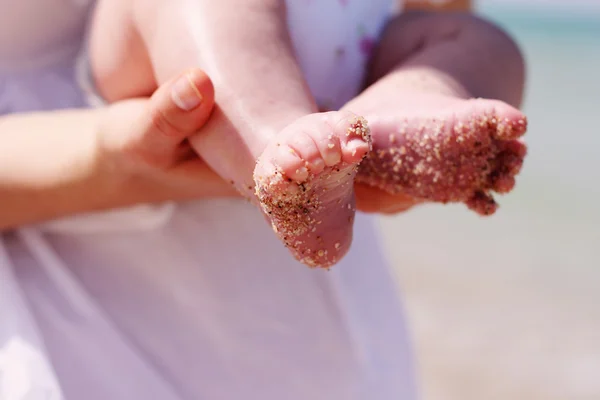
(185, 94)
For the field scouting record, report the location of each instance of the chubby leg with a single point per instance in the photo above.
(264, 136)
(437, 133)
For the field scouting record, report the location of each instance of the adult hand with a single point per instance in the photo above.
(58, 163)
(146, 140)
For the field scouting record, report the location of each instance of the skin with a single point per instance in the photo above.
(244, 122)
(371, 199)
(450, 5)
(131, 152)
(295, 152)
(416, 92)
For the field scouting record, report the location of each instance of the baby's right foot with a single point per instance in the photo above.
(304, 183)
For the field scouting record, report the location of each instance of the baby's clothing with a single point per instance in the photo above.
(197, 300)
(333, 40)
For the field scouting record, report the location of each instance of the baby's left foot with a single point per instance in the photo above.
(444, 149)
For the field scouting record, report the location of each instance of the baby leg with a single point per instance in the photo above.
(264, 129)
(434, 137)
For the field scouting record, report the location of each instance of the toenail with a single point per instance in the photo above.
(359, 126)
(318, 164)
(332, 158)
(301, 173)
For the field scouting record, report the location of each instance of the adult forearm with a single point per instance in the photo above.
(49, 167)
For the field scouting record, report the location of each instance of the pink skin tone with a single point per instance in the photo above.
(307, 189)
(299, 166)
(445, 145)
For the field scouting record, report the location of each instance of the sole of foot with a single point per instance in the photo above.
(464, 152)
(305, 184)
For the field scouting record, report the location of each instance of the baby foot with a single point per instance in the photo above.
(447, 149)
(304, 183)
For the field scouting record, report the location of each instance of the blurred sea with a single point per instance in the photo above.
(509, 307)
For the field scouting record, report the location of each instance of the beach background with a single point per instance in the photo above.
(509, 307)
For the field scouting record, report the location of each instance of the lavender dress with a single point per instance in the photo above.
(184, 301)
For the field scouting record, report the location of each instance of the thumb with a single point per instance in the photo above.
(178, 109)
